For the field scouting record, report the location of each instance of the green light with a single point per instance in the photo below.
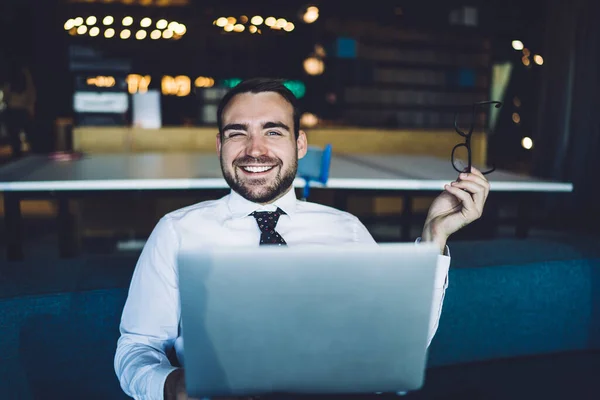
(296, 87)
(231, 82)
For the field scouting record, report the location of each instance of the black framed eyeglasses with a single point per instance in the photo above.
(467, 136)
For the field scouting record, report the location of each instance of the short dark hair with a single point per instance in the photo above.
(259, 85)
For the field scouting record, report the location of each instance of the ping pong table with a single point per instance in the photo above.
(38, 176)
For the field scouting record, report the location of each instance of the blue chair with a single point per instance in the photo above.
(314, 167)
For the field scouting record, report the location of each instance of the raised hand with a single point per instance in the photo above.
(461, 203)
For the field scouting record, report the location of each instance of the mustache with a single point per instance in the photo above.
(249, 160)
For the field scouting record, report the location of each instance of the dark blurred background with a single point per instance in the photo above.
(397, 68)
(381, 64)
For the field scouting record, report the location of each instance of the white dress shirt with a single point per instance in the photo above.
(150, 324)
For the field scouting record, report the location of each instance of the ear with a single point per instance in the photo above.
(302, 144)
(219, 144)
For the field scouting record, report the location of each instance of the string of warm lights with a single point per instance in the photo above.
(179, 85)
(526, 142)
(519, 46)
(162, 29)
(254, 24)
(101, 81)
(232, 24)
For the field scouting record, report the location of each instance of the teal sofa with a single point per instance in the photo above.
(521, 319)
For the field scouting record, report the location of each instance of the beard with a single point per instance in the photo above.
(260, 190)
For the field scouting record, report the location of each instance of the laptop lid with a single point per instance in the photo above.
(312, 320)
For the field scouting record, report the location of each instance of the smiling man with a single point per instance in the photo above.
(259, 143)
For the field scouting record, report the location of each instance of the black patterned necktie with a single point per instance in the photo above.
(267, 221)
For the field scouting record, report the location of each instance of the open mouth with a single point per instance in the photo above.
(257, 169)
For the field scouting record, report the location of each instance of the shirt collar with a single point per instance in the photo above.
(241, 207)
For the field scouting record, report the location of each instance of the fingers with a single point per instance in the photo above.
(477, 192)
(476, 186)
(470, 186)
(477, 177)
(476, 172)
(469, 209)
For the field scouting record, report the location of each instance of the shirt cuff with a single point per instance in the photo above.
(446, 249)
(442, 268)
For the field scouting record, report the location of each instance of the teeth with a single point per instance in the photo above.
(257, 169)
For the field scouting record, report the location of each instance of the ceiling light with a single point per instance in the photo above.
(161, 24)
(517, 45)
(180, 29)
(145, 22)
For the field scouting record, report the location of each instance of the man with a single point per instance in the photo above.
(259, 143)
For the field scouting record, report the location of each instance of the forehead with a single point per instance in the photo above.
(264, 106)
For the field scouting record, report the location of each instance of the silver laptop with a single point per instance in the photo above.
(306, 320)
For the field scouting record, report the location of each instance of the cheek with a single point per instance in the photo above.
(229, 154)
(285, 153)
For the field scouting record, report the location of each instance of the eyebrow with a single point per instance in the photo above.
(235, 127)
(266, 125)
(277, 124)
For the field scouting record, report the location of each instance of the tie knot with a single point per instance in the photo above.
(267, 220)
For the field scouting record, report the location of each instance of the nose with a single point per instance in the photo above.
(256, 146)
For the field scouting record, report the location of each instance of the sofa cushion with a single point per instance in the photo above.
(518, 310)
(62, 345)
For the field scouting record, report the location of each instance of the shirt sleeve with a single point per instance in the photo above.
(439, 291)
(150, 319)
(362, 235)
